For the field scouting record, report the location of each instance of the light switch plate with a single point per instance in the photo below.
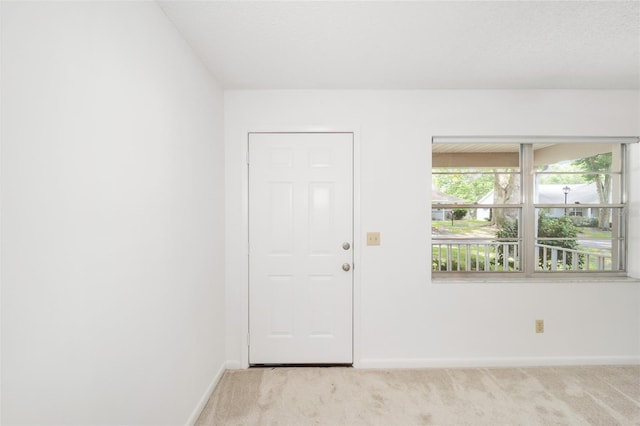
(373, 238)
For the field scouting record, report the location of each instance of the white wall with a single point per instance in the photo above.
(403, 319)
(112, 217)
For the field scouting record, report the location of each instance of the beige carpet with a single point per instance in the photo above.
(501, 396)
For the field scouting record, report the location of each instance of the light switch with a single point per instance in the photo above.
(373, 238)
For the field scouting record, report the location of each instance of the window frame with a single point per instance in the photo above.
(528, 214)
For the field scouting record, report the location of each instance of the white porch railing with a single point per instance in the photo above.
(460, 255)
(550, 258)
(475, 255)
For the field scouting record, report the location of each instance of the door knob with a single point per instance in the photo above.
(346, 246)
(346, 266)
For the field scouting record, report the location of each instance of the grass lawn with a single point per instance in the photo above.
(461, 226)
(594, 233)
(467, 223)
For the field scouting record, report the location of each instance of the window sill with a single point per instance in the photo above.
(587, 278)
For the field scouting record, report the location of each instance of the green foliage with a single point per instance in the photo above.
(593, 222)
(558, 227)
(563, 179)
(597, 163)
(507, 231)
(469, 187)
(600, 163)
(459, 214)
(549, 227)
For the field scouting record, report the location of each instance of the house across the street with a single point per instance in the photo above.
(578, 194)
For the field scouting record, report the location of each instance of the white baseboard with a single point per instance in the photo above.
(494, 362)
(207, 394)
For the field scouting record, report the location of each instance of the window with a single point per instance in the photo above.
(528, 205)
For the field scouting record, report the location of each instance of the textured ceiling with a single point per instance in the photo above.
(414, 45)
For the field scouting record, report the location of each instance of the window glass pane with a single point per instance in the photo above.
(576, 157)
(467, 186)
(578, 243)
(476, 240)
(581, 173)
(565, 184)
(575, 189)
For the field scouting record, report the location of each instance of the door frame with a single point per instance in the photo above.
(358, 241)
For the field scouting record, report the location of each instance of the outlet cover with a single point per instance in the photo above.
(539, 326)
(373, 238)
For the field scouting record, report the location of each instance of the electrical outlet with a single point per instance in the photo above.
(539, 326)
(373, 238)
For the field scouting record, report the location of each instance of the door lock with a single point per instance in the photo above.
(346, 246)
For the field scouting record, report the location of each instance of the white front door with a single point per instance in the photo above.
(300, 248)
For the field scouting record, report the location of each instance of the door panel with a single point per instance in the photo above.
(300, 214)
